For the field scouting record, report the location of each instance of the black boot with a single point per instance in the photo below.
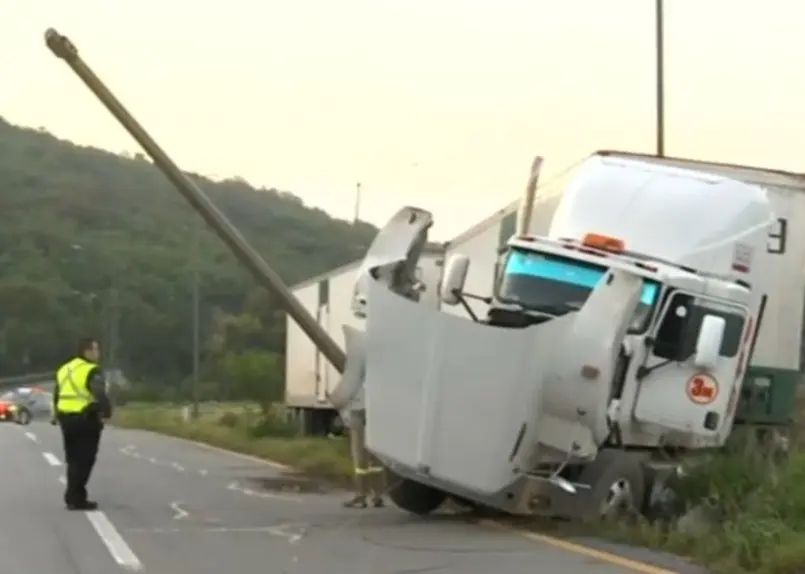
(85, 505)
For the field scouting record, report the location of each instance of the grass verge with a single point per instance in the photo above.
(242, 429)
(753, 518)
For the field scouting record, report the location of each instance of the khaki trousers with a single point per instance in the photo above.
(369, 474)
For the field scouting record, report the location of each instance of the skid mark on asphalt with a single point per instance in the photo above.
(237, 487)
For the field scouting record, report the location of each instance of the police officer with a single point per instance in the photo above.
(81, 405)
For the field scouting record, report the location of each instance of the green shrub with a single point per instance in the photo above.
(758, 510)
(229, 420)
(271, 426)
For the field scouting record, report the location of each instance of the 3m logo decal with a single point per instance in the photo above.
(702, 389)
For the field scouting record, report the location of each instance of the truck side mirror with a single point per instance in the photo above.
(708, 344)
(455, 275)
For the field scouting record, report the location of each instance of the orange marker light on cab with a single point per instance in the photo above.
(603, 242)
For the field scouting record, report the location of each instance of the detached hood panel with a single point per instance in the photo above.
(449, 397)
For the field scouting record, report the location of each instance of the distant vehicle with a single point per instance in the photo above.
(24, 404)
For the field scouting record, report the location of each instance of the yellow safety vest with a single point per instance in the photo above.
(72, 379)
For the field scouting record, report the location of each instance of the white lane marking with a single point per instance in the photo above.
(63, 479)
(117, 547)
(235, 487)
(211, 448)
(240, 455)
(212, 529)
(279, 531)
(202, 472)
(178, 511)
(293, 537)
(129, 451)
(51, 458)
(31, 436)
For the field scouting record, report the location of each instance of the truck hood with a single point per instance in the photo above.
(393, 256)
(391, 261)
(469, 404)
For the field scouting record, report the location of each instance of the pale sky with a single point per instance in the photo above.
(435, 103)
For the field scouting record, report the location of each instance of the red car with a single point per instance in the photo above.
(25, 403)
(7, 409)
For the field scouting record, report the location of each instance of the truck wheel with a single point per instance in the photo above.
(617, 485)
(23, 417)
(414, 497)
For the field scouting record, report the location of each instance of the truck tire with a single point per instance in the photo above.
(617, 482)
(414, 497)
(23, 417)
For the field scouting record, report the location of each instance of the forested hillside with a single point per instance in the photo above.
(93, 242)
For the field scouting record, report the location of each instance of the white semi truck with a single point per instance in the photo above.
(613, 345)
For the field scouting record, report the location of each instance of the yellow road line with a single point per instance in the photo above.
(574, 548)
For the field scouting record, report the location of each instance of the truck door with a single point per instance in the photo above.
(674, 393)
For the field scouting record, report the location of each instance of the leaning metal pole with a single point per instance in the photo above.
(268, 278)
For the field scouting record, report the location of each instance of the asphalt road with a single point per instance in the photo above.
(174, 507)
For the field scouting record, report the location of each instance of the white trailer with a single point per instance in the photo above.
(309, 376)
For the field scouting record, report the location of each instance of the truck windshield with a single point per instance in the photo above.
(557, 285)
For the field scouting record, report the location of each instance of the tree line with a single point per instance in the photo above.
(100, 243)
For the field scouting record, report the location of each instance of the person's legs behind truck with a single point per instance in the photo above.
(369, 473)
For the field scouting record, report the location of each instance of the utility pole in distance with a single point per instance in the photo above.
(659, 22)
(196, 258)
(356, 217)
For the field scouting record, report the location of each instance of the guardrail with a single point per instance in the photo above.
(39, 379)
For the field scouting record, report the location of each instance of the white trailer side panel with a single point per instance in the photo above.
(300, 353)
(779, 342)
(341, 288)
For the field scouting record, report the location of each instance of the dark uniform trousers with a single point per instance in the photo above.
(81, 433)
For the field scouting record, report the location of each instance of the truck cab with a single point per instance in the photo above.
(612, 341)
(688, 331)
(696, 241)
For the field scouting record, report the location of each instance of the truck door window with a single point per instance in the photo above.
(668, 342)
(679, 329)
